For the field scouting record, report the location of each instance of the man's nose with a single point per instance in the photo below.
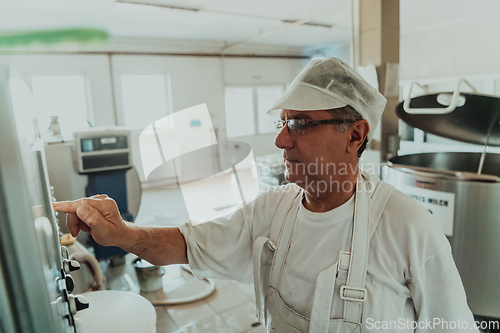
(283, 140)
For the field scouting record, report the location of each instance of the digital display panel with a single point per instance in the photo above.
(104, 143)
(108, 141)
(87, 145)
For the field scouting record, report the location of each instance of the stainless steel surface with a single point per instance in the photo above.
(450, 100)
(148, 275)
(39, 152)
(449, 161)
(35, 291)
(7, 322)
(476, 120)
(476, 228)
(28, 280)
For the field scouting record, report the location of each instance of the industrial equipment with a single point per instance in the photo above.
(461, 189)
(35, 282)
(36, 286)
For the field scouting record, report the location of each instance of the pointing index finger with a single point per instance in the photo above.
(66, 206)
(70, 206)
(103, 205)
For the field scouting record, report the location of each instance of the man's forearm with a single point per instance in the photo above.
(158, 245)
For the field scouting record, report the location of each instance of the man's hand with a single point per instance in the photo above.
(98, 216)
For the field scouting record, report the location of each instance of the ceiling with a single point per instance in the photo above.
(224, 23)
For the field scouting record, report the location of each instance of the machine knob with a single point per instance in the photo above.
(60, 285)
(77, 303)
(70, 283)
(70, 265)
(64, 252)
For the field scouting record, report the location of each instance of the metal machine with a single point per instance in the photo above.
(461, 189)
(35, 280)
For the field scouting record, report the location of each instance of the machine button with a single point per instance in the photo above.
(77, 303)
(70, 283)
(60, 285)
(70, 265)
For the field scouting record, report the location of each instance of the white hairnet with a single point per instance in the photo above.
(329, 84)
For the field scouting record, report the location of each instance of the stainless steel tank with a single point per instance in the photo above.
(462, 190)
(475, 215)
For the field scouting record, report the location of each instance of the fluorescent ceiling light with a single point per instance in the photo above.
(147, 8)
(329, 26)
(157, 8)
(136, 8)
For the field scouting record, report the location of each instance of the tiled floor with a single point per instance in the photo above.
(228, 309)
(231, 308)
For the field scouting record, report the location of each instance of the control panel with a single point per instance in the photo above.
(57, 264)
(101, 150)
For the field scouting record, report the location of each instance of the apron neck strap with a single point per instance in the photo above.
(354, 292)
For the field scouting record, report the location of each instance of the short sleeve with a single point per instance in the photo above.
(222, 247)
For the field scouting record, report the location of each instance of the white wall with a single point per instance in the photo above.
(198, 80)
(449, 38)
(94, 67)
(194, 80)
(441, 42)
(257, 71)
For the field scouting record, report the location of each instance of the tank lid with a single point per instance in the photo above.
(476, 118)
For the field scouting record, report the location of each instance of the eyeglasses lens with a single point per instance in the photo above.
(295, 126)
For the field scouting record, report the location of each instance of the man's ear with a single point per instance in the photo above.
(359, 131)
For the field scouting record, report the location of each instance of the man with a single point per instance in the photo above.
(336, 250)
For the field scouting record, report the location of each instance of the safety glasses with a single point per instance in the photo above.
(299, 126)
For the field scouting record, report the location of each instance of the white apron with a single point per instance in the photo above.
(269, 255)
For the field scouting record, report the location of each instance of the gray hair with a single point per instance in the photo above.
(348, 113)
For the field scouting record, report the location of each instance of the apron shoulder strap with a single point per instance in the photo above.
(371, 200)
(284, 207)
(264, 277)
(380, 197)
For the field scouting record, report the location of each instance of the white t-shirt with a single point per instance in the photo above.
(325, 235)
(411, 276)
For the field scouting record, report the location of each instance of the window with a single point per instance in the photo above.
(24, 108)
(266, 97)
(239, 111)
(246, 109)
(61, 96)
(145, 99)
